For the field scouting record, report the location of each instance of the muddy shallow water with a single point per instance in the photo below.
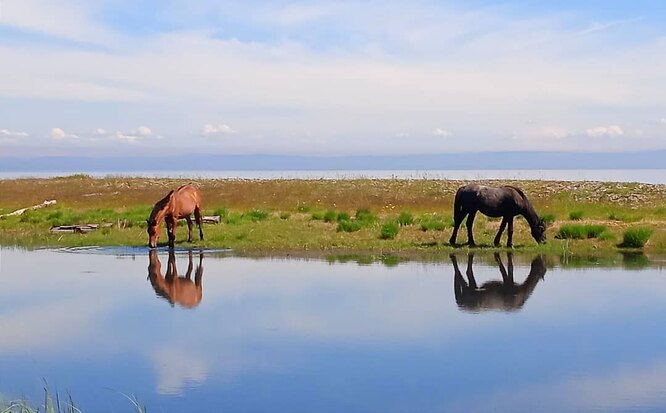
(209, 331)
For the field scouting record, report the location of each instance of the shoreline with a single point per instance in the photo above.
(293, 215)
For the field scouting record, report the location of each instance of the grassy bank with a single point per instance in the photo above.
(330, 215)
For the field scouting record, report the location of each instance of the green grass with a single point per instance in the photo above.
(434, 222)
(636, 237)
(349, 226)
(389, 230)
(365, 216)
(624, 217)
(221, 211)
(330, 216)
(405, 218)
(576, 215)
(250, 226)
(343, 216)
(233, 218)
(549, 218)
(580, 231)
(256, 214)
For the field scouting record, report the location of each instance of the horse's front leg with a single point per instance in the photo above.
(171, 231)
(189, 228)
(498, 237)
(509, 241)
(470, 223)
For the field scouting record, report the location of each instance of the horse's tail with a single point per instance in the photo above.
(457, 204)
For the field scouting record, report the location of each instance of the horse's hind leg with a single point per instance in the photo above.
(197, 216)
(498, 237)
(457, 221)
(470, 235)
(189, 228)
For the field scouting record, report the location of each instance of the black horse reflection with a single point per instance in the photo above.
(171, 286)
(503, 295)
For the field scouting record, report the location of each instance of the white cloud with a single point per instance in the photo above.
(134, 136)
(216, 129)
(121, 136)
(59, 134)
(601, 131)
(440, 132)
(99, 131)
(144, 131)
(661, 121)
(12, 137)
(384, 75)
(13, 134)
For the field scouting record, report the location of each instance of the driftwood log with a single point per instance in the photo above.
(22, 210)
(212, 219)
(78, 229)
(85, 228)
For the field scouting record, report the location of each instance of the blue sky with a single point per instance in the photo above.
(330, 77)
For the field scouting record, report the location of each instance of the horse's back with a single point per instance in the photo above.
(186, 199)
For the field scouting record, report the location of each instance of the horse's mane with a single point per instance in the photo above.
(528, 204)
(159, 205)
(520, 191)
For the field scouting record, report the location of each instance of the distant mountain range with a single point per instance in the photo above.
(447, 161)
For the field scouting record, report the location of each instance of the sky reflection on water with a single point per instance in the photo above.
(310, 335)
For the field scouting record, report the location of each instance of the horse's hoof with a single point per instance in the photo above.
(471, 245)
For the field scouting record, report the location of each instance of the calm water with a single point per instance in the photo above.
(281, 335)
(652, 176)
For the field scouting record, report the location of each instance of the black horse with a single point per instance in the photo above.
(505, 202)
(503, 295)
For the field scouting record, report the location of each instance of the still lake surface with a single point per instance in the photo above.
(296, 335)
(650, 176)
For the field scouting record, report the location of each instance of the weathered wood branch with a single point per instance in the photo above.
(211, 219)
(78, 229)
(22, 210)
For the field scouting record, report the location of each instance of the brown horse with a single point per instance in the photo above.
(173, 288)
(505, 202)
(178, 204)
(503, 295)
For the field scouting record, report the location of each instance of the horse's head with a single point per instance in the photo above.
(153, 232)
(539, 231)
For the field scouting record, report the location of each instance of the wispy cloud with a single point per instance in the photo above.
(216, 129)
(600, 26)
(13, 134)
(440, 132)
(601, 131)
(336, 71)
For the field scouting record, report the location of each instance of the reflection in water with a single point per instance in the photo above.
(172, 287)
(503, 295)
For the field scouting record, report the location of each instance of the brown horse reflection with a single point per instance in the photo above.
(503, 295)
(172, 287)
